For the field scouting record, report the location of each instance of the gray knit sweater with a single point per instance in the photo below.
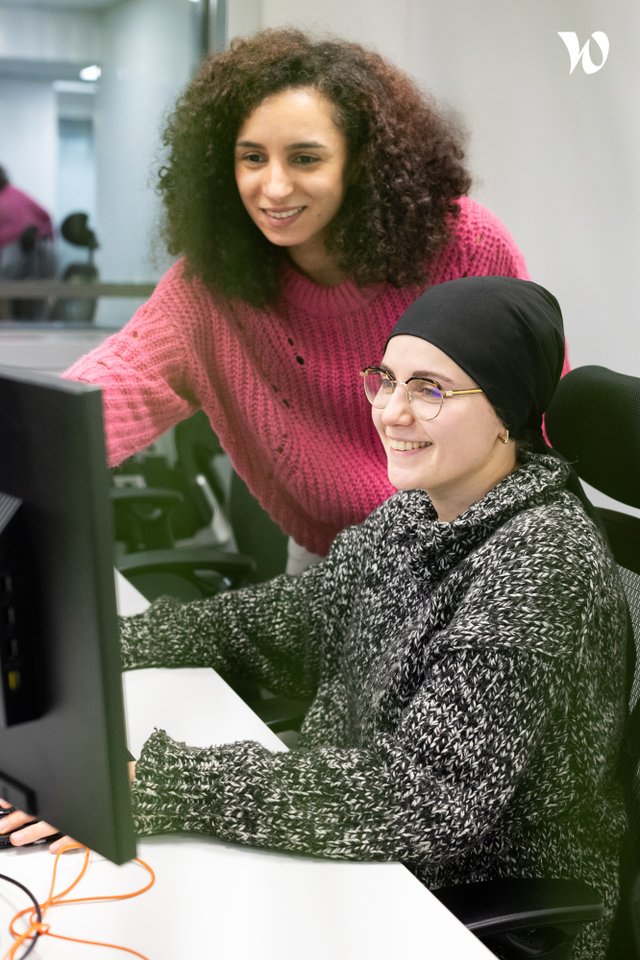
(467, 682)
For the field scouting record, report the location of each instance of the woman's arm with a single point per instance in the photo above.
(270, 633)
(476, 731)
(143, 369)
(275, 633)
(396, 799)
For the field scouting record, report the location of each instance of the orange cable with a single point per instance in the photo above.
(57, 900)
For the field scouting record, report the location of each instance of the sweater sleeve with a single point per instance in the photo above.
(430, 786)
(142, 370)
(271, 633)
(276, 633)
(394, 799)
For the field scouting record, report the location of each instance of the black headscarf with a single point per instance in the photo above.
(507, 334)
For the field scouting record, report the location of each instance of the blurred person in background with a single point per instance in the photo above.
(27, 248)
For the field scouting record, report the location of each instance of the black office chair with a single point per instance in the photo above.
(594, 422)
(254, 532)
(75, 230)
(184, 529)
(170, 518)
(198, 498)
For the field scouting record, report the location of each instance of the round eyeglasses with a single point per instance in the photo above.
(424, 395)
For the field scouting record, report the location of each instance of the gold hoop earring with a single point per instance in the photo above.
(504, 437)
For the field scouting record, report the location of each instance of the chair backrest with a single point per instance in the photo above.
(594, 422)
(254, 533)
(626, 939)
(631, 583)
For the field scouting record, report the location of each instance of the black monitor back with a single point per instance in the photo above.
(62, 738)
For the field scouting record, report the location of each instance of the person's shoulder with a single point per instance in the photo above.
(565, 551)
(178, 291)
(474, 216)
(484, 244)
(176, 279)
(561, 534)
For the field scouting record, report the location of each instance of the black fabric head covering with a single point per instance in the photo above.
(507, 334)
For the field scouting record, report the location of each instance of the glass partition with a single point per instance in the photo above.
(85, 87)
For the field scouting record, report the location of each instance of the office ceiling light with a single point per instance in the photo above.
(91, 73)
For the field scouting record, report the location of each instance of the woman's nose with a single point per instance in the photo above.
(277, 183)
(398, 409)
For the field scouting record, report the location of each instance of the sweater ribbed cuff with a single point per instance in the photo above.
(168, 787)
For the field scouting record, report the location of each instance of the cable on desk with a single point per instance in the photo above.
(36, 907)
(38, 928)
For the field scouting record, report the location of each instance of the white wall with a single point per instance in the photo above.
(38, 33)
(149, 51)
(556, 156)
(28, 137)
(148, 58)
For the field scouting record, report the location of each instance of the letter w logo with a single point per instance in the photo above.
(570, 40)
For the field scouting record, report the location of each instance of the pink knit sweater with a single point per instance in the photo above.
(280, 386)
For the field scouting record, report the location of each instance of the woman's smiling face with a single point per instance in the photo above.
(290, 167)
(456, 457)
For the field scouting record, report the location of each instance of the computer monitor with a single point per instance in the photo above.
(63, 753)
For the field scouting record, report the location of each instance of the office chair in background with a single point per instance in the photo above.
(197, 500)
(76, 231)
(191, 530)
(171, 519)
(594, 422)
(250, 529)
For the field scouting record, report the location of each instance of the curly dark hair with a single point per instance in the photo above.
(406, 165)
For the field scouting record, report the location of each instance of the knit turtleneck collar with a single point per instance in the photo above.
(432, 548)
(304, 294)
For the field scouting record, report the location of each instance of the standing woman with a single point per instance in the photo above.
(311, 192)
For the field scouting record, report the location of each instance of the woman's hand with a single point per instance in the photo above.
(27, 830)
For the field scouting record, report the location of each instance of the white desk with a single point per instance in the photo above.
(47, 347)
(227, 902)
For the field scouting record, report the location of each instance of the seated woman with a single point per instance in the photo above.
(464, 645)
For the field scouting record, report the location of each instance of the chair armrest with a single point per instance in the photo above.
(280, 713)
(159, 495)
(142, 516)
(524, 919)
(232, 566)
(498, 905)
